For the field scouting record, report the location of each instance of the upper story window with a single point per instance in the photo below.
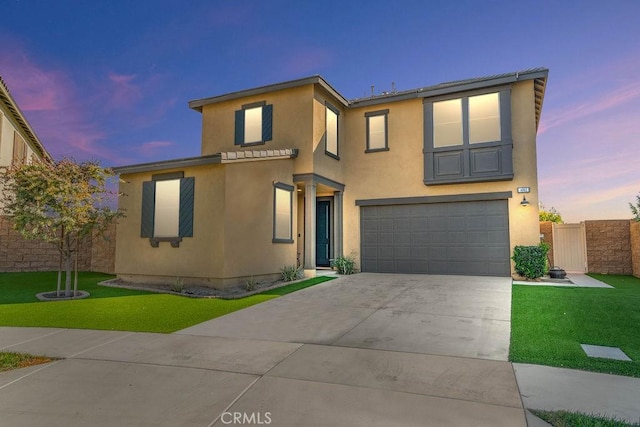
(331, 131)
(377, 134)
(468, 138)
(484, 118)
(254, 124)
(167, 208)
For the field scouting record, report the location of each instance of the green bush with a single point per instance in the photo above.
(531, 261)
(290, 273)
(344, 264)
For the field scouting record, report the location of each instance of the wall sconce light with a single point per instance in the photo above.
(523, 191)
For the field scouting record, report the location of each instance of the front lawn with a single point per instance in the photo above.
(548, 324)
(114, 308)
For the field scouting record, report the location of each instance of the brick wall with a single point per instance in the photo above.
(20, 254)
(634, 235)
(608, 246)
(546, 229)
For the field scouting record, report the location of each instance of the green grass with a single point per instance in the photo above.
(576, 419)
(10, 360)
(548, 324)
(114, 308)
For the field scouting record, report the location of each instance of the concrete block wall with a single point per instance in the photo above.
(613, 246)
(608, 246)
(103, 251)
(19, 254)
(546, 231)
(634, 236)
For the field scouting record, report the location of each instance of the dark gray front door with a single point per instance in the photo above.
(469, 238)
(323, 233)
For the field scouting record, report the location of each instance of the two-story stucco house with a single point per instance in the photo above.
(418, 181)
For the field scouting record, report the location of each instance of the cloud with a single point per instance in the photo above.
(150, 148)
(123, 93)
(307, 60)
(573, 112)
(49, 99)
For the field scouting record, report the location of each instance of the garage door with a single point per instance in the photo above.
(469, 238)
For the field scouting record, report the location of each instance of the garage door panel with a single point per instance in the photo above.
(401, 239)
(437, 238)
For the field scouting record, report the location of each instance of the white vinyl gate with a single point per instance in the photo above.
(570, 247)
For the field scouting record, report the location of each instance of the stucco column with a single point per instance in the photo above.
(337, 220)
(310, 225)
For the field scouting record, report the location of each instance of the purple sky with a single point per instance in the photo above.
(111, 80)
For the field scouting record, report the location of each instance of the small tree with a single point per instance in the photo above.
(60, 203)
(635, 209)
(549, 215)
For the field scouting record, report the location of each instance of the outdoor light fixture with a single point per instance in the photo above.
(523, 191)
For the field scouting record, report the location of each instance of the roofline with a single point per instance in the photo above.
(197, 104)
(22, 122)
(169, 164)
(210, 159)
(454, 87)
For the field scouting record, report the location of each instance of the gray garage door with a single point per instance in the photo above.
(469, 238)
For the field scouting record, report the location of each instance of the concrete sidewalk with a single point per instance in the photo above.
(549, 388)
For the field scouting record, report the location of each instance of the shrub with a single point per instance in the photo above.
(344, 264)
(290, 273)
(531, 261)
(250, 284)
(178, 285)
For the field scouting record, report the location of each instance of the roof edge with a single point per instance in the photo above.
(197, 104)
(454, 87)
(224, 157)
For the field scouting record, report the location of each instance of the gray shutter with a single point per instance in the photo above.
(148, 208)
(239, 135)
(267, 122)
(187, 187)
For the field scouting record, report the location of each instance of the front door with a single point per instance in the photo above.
(323, 233)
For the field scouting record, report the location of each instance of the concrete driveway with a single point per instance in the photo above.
(362, 350)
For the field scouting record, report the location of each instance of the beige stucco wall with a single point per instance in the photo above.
(399, 172)
(232, 234)
(198, 257)
(7, 131)
(293, 111)
(323, 164)
(248, 222)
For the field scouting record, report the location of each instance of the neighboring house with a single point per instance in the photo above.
(418, 181)
(18, 142)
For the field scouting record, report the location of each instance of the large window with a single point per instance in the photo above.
(282, 213)
(167, 208)
(331, 131)
(468, 138)
(254, 124)
(377, 134)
